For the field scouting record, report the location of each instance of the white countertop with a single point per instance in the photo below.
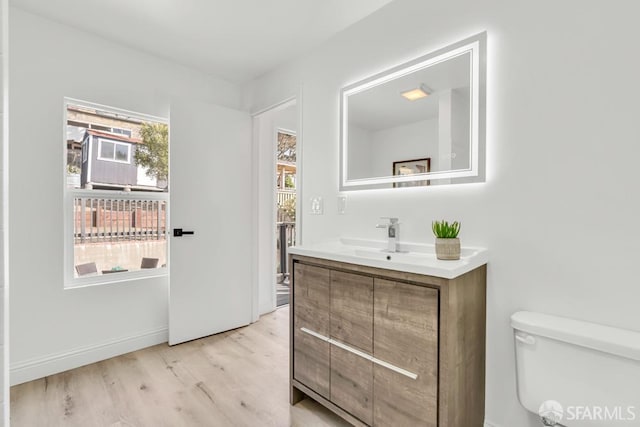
(416, 257)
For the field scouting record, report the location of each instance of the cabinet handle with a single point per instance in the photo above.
(395, 368)
(361, 354)
(351, 350)
(315, 334)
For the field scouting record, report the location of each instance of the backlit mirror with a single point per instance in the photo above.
(420, 123)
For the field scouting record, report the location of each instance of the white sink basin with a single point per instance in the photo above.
(401, 257)
(413, 258)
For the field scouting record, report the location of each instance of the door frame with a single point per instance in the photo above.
(259, 164)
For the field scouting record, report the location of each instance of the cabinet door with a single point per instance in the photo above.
(352, 310)
(406, 336)
(352, 383)
(311, 312)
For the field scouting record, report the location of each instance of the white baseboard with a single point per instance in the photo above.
(490, 424)
(39, 367)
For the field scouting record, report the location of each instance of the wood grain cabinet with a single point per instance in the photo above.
(352, 337)
(387, 348)
(406, 336)
(311, 354)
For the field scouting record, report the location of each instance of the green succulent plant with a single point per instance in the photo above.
(444, 230)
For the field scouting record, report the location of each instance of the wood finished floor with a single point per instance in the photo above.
(238, 378)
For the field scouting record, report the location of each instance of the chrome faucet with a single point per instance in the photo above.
(393, 233)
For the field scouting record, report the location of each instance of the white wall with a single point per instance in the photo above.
(460, 130)
(405, 142)
(4, 253)
(562, 153)
(359, 154)
(53, 328)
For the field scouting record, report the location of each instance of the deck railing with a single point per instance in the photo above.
(284, 195)
(286, 238)
(107, 219)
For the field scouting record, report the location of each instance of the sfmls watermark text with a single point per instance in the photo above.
(600, 413)
(552, 413)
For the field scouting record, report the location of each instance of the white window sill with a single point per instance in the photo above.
(99, 279)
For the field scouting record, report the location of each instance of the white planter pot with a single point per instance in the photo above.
(448, 249)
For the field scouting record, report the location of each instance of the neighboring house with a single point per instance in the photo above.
(101, 148)
(285, 181)
(286, 176)
(286, 172)
(108, 162)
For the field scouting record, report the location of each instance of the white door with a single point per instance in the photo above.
(210, 194)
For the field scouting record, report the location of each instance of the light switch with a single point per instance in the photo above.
(317, 206)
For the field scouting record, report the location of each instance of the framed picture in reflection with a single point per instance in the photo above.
(411, 167)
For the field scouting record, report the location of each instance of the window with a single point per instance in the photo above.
(114, 130)
(116, 195)
(125, 132)
(117, 131)
(114, 151)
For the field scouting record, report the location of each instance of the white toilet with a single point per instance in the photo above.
(577, 373)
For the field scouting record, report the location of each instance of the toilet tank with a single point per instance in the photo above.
(591, 371)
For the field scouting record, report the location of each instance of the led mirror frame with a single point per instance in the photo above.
(476, 47)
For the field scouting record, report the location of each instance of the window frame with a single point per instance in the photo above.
(85, 151)
(69, 194)
(108, 129)
(115, 143)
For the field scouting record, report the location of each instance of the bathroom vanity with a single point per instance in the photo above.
(381, 343)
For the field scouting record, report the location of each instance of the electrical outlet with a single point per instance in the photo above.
(342, 205)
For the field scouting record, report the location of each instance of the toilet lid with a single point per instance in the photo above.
(621, 342)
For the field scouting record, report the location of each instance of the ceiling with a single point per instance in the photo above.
(237, 40)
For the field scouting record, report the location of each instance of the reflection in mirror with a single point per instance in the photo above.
(386, 127)
(417, 124)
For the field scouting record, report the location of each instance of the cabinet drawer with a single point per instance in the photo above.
(352, 310)
(406, 336)
(352, 383)
(311, 362)
(311, 300)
